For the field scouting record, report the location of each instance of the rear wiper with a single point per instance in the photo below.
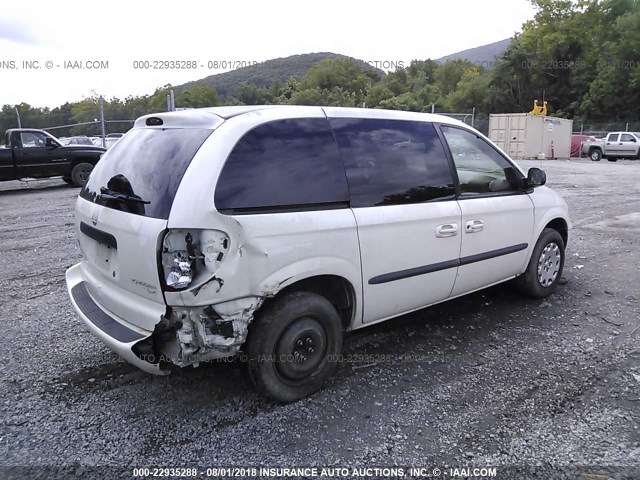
(107, 194)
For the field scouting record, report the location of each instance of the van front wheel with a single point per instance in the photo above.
(545, 266)
(293, 346)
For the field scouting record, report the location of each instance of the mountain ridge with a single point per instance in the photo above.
(483, 55)
(280, 69)
(262, 74)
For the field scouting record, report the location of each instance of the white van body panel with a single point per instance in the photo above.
(494, 224)
(74, 277)
(265, 256)
(549, 205)
(396, 238)
(123, 280)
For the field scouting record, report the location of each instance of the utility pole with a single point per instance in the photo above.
(102, 129)
(18, 115)
(171, 101)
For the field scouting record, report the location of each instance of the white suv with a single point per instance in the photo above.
(272, 230)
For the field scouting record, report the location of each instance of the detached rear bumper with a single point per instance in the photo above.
(114, 332)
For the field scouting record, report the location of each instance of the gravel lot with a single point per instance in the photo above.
(495, 379)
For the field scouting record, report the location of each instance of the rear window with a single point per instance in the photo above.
(142, 171)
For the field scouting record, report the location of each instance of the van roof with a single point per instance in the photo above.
(212, 117)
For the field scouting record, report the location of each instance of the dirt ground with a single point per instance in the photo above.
(489, 380)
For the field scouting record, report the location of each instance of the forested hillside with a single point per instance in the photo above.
(265, 73)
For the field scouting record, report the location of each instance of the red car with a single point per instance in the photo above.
(576, 142)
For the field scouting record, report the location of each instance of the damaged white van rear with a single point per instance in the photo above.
(272, 230)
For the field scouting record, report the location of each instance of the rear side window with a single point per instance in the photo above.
(141, 173)
(393, 162)
(283, 165)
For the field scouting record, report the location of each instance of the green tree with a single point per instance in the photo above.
(198, 96)
(308, 96)
(250, 94)
(377, 94)
(566, 52)
(470, 91)
(614, 93)
(344, 73)
(406, 101)
(448, 74)
(287, 91)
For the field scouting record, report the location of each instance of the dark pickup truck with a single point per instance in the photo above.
(31, 153)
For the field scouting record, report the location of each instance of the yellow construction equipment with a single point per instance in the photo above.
(539, 110)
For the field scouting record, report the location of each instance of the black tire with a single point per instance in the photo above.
(80, 174)
(296, 328)
(67, 180)
(545, 266)
(595, 154)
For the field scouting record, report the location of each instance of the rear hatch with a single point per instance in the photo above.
(122, 215)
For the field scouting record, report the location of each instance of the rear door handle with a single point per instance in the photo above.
(473, 226)
(447, 230)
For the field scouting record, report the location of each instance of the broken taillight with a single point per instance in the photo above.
(181, 273)
(191, 257)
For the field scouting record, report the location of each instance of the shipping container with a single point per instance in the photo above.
(527, 136)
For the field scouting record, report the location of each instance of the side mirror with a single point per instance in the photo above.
(536, 177)
(49, 142)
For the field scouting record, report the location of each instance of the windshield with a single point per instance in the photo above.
(141, 173)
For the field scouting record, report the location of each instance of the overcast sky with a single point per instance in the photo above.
(120, 33)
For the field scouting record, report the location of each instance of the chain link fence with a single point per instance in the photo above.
(597, 129)
(89, 128)
(600, 129)
(467, 118)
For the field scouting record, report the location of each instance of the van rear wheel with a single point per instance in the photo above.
(293, 346)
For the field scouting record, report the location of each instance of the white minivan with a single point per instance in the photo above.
(269, 231)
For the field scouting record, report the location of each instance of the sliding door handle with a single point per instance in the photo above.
(447, 230)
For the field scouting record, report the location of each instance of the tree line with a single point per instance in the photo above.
(583, 56)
